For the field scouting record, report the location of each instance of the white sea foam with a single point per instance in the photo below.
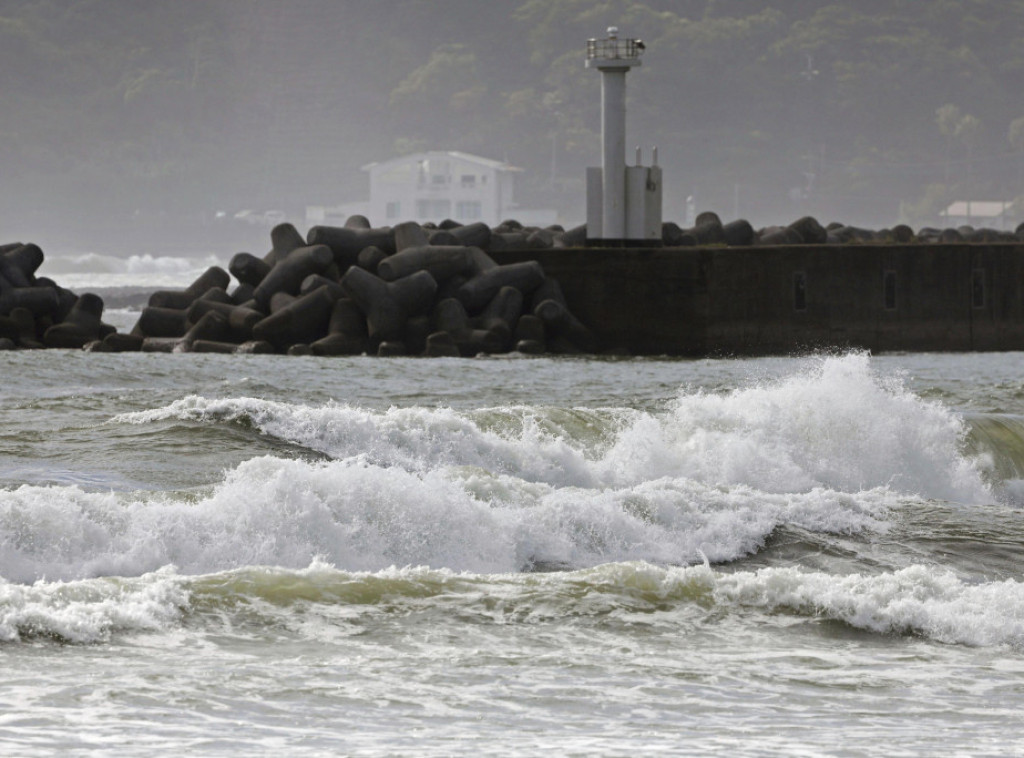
(836, 425)
(916, 600)
(85, 612)
(415, 439)
(97, 270)
(359, 516)
(1013, 491)
(831, 449)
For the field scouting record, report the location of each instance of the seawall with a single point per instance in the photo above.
(463, 290)
(699, 301)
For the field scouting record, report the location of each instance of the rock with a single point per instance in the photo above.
(248, 269)
(346, 243)
(481, 289)
(304, 320)
(287, 275)
(442, 262)
(441, 345)
(18, 264)
(284, 238)
(809, 230)
(162, 322)
(346, 331)
(738, 233)
(181, 299)
(83, 324)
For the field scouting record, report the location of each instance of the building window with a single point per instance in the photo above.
(440, 172)
(467, 210)
(890, 290)
(433, 209)
(393, 209)
(978, 288)
(799, 291)
(468, 181)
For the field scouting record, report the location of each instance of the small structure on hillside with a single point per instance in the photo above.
(623, 203)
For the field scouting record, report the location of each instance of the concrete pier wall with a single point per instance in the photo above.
(778, 300)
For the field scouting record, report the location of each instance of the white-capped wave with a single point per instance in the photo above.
(835, 425)
(918, 600)
(831, 449)
(361, 516)
(915, 600)
(90, 611)
(415, 439)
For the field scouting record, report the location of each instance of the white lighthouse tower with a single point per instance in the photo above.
(623, 203)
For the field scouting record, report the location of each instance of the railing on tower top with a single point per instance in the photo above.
(614, 49)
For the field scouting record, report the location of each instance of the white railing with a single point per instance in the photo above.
(614, 49)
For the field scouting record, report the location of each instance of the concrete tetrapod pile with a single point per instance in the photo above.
(36, 312)
(355, 289)
(708, 229)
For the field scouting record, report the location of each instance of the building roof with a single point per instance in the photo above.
(454, 154)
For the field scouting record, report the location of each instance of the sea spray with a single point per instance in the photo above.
(268, 511)
(835, 424)
(416, 439)
(360, 516)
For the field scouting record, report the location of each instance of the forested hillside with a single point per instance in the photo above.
(768, 108)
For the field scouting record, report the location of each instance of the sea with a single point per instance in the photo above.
(806, 555)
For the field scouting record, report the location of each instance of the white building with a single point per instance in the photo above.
(438, 185)
(997, 214)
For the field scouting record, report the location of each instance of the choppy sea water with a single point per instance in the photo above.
(85, 271)
(234, 555)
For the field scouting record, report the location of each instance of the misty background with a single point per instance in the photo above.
(132, 127)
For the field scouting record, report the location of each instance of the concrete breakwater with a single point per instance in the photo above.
(454, 290)
(797, 298)
(403, 290)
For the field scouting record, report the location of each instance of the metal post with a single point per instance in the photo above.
(613, 139)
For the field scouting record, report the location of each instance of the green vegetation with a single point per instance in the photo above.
(845, 109)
